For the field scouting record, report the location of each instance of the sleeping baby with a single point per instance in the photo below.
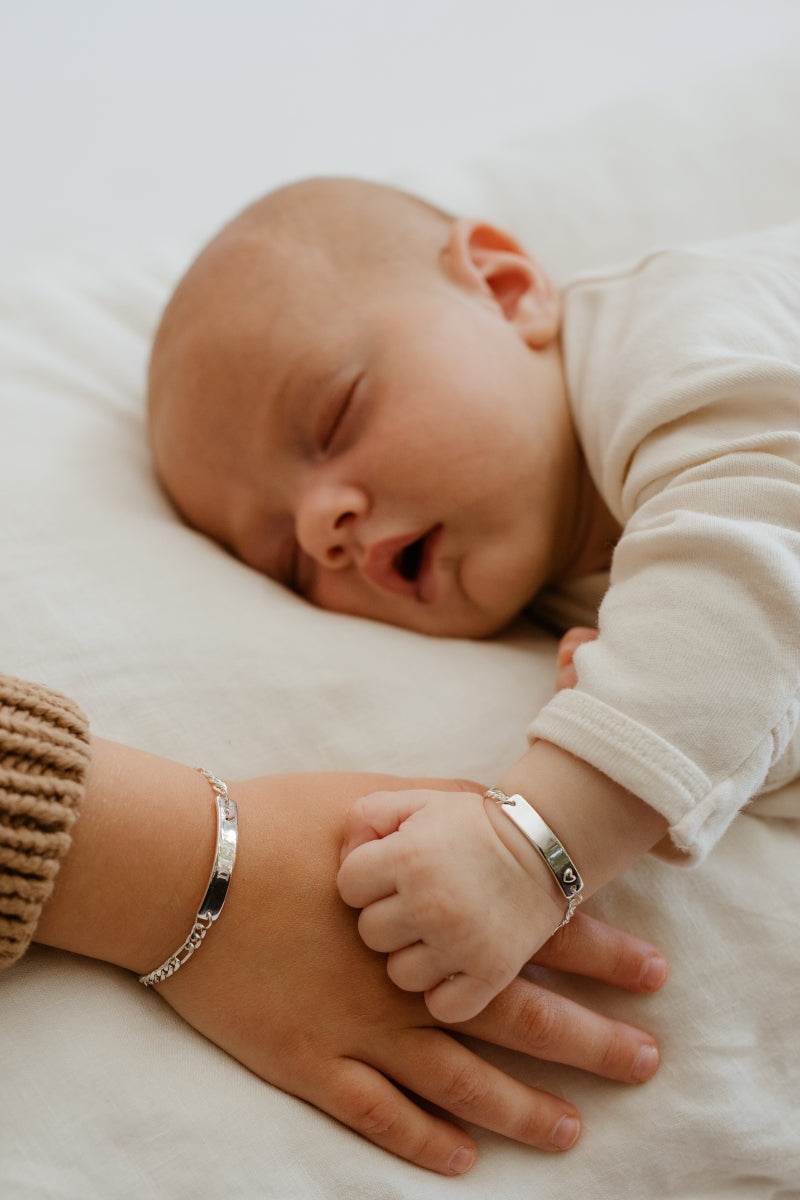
(396, 414)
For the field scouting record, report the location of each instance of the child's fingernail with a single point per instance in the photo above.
(646, 1063)
(461, 1161)
(654, 972)
(565, 1133)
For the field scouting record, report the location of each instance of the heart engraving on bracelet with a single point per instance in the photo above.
(569, 876)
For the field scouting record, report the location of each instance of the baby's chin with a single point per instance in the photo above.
(460, 616)
(472, 626)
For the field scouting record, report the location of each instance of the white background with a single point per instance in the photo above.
(125, 121)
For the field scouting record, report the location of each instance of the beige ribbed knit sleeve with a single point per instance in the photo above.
(44, 756)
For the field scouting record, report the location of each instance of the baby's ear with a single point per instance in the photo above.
(490, 262)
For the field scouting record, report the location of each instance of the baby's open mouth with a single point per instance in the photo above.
(415, 564)
(409, 560)
(405, 566)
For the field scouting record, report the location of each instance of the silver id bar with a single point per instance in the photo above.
(541, 836)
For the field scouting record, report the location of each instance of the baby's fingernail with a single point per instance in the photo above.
(565, 1133)
(461, 1161)
(654, 972)
(647, 1061)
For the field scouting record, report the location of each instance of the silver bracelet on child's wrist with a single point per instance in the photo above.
(542, 838)
(219, 880)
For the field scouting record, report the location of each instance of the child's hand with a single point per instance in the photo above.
(567, 675)
(449, 890)
(443, 894)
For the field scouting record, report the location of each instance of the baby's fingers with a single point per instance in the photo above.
(567, 672)
(386, 925)
(572, 639)
(367, 874)
(451, 995)
(459, 998)
(377, 815)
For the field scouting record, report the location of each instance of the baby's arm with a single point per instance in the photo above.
(457, 896)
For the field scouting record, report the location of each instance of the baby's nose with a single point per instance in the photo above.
(326, 524)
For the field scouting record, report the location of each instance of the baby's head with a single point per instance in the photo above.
(364, 399)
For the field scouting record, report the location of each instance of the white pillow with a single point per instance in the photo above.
(173, 646)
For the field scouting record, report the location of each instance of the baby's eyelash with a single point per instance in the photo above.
(339, 413)
(336, 422)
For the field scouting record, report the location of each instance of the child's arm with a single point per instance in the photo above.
(457, 895)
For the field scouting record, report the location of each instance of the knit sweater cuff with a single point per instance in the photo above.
(44, 758)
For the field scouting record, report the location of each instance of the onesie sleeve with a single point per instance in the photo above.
(689, 410)
(44, 758)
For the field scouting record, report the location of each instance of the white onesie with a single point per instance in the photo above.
(684, 376)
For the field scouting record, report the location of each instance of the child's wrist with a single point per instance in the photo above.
(603, 826)
(553, 852)
(528, 858)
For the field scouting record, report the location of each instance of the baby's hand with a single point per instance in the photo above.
(444, 896)
(567, 675)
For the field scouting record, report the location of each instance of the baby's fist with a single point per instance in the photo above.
(442, 895)
(567, 675)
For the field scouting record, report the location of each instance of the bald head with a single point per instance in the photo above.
(356, 224)
(335, 236)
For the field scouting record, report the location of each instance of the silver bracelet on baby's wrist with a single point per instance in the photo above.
(219, 880)
(542, 838)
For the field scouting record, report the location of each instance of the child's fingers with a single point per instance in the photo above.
(440, 1069)
(367, 874)
(546, 1025)
(451, 995)
(369, 1103)
(448, 1074)
(386, 925)
(570, 642)
(459, 998)
(418, 968)
(377, 815)
(590, 947)
(567, 677)
(572, 639)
